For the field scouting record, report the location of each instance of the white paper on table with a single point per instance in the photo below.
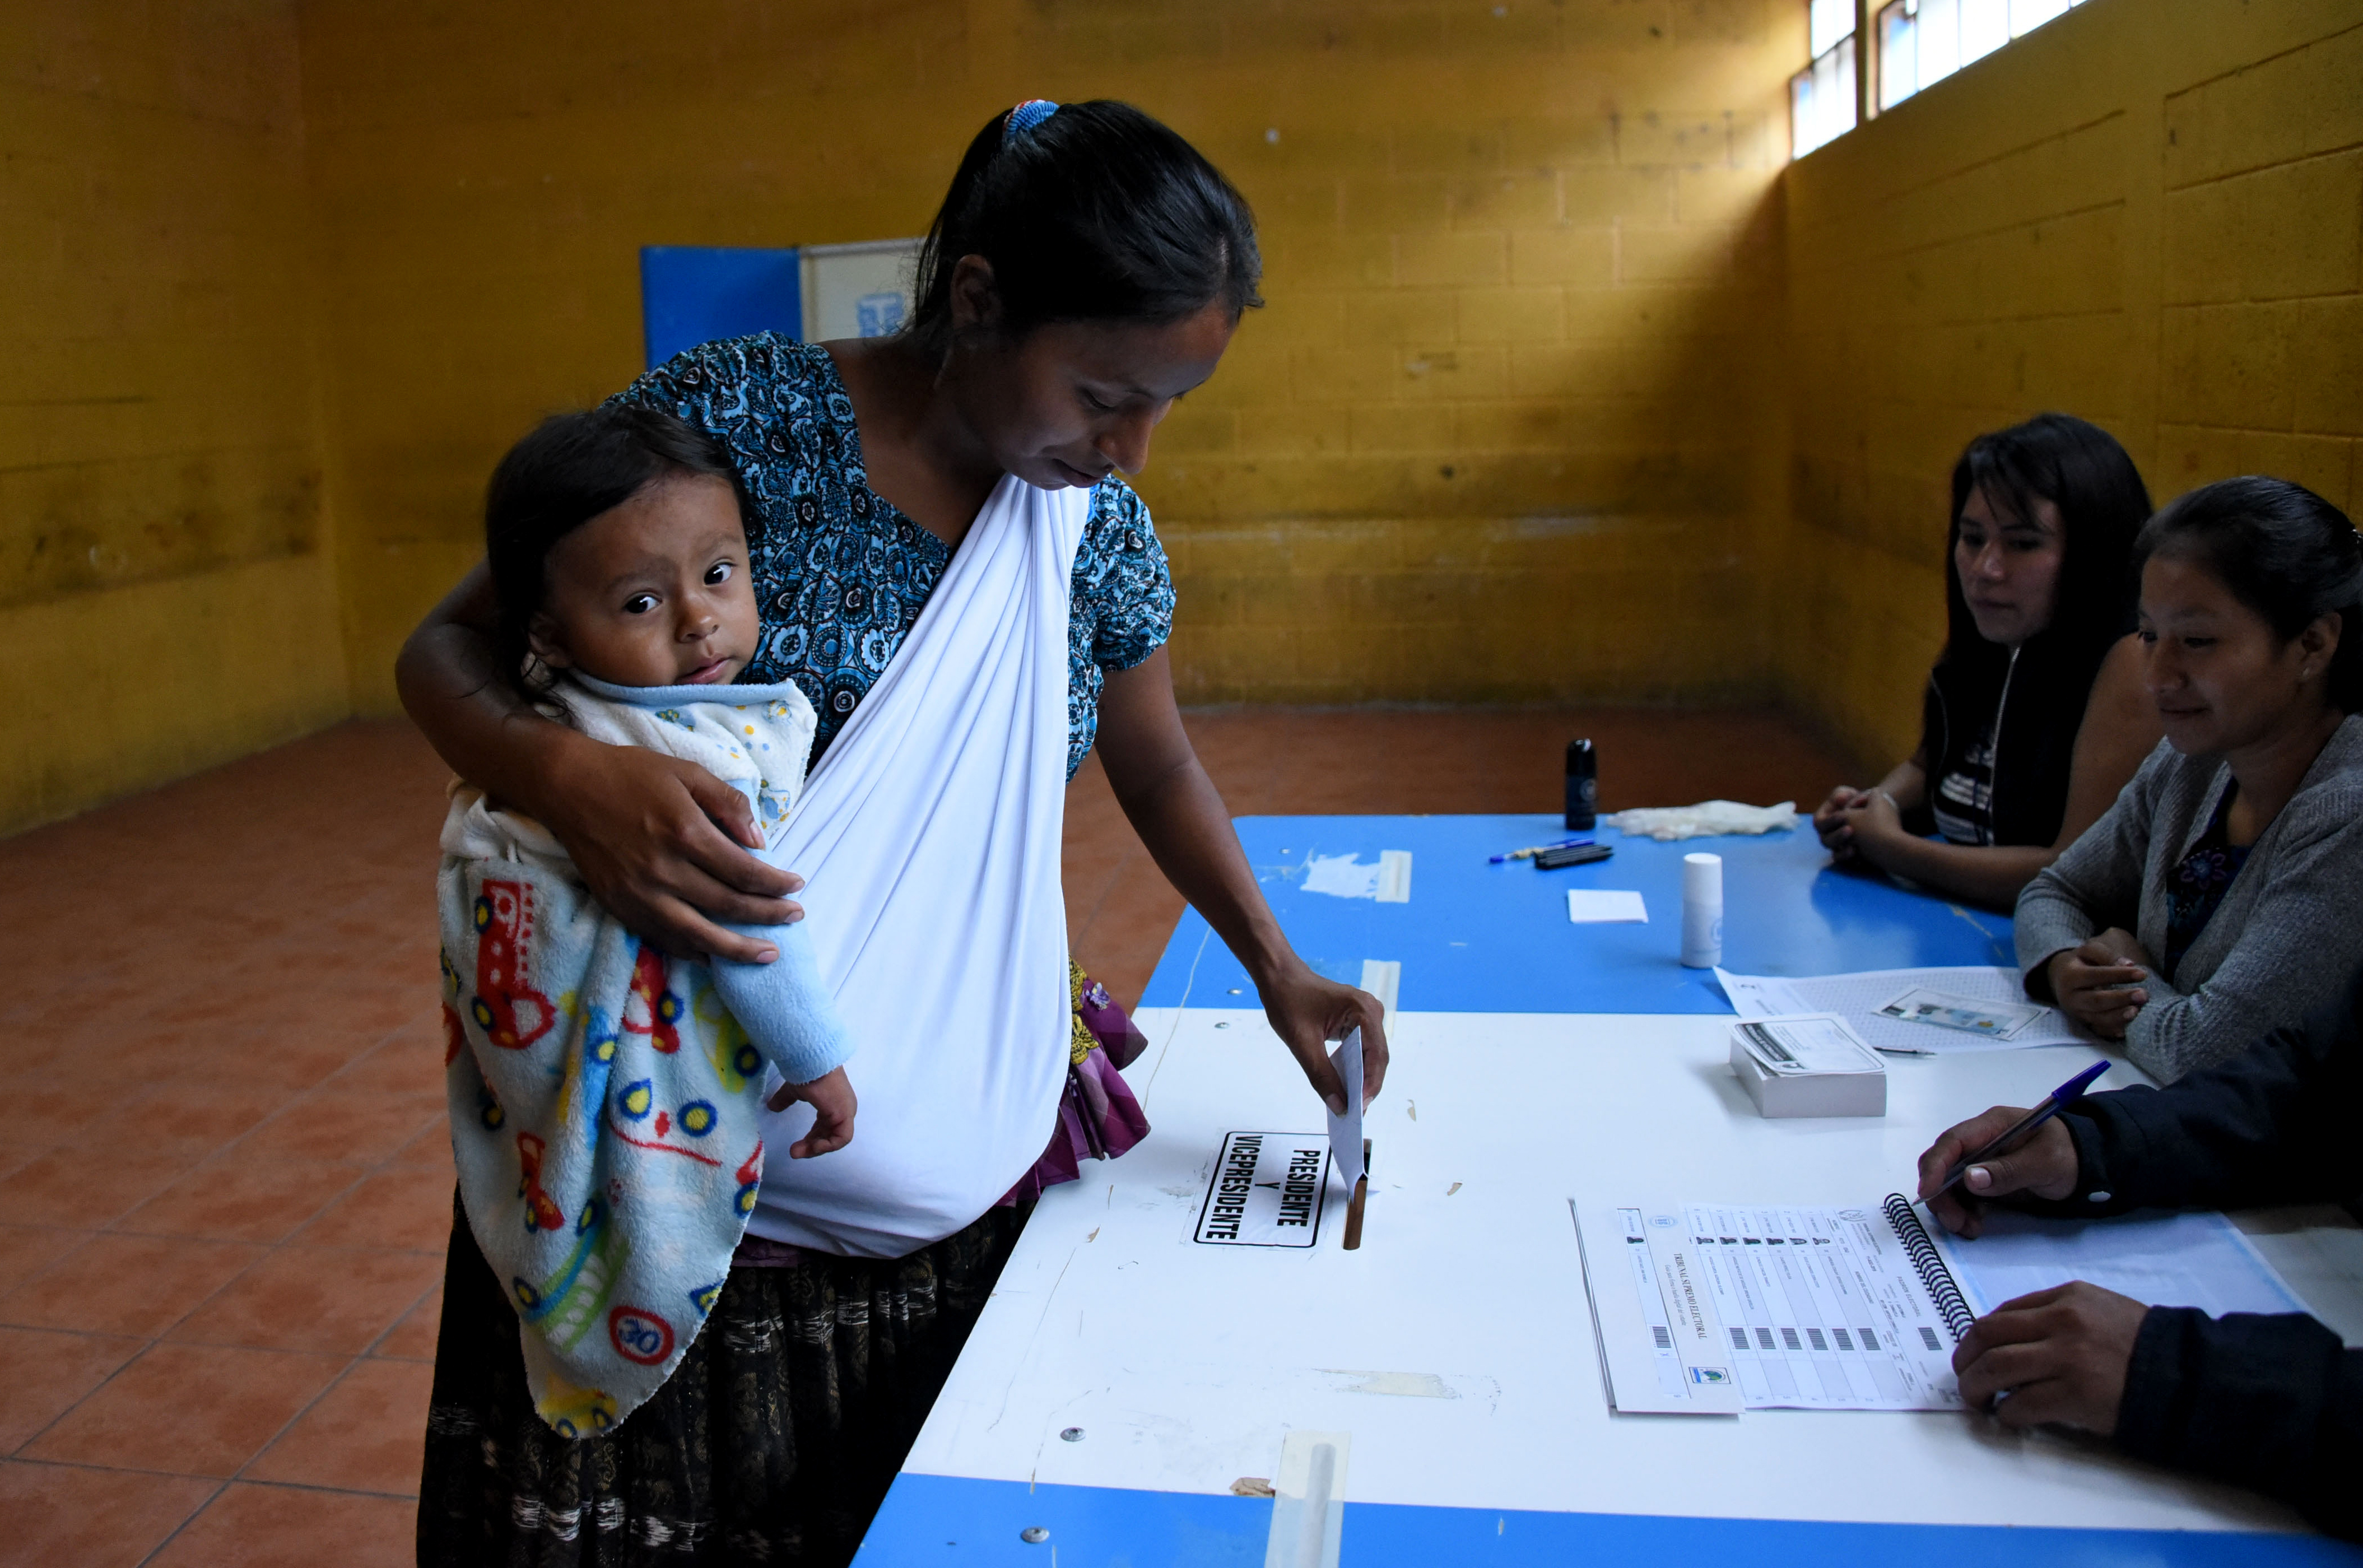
(1346, 1132)
(1823, 1308)
(1661, 1347)
(1977, 1016)
(1725, 1306)
(2157, 1257)
(1599, 905)
(1857, 998)
(1800, 1045)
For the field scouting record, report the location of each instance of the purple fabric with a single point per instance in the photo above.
(1111, 1027)
(1098, 1119)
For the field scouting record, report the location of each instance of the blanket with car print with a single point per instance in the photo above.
(605, 1102)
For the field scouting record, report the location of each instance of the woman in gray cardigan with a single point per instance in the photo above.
(2221, 895)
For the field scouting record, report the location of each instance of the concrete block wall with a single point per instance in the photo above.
(2148, 214)
(1565, 389)
(166, 595)
(2261, 351)
(1500, 434)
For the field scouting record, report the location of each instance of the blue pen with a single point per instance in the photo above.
(2066, 1095)
(1533, 849)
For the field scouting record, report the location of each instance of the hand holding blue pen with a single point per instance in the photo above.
(2064, 1094)
(2013, 1139)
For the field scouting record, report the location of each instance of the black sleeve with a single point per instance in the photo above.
(2273, 1125)
(2273, 1403)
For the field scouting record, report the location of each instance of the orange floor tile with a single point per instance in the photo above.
(224, 1205)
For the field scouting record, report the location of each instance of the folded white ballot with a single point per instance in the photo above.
(1807, 1065)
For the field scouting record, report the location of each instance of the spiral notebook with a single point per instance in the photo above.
(1713, 1309)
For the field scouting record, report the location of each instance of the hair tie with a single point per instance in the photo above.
(1024, 117)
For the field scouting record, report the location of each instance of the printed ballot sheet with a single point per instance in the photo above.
(1710, 1308)
(1912, 1012)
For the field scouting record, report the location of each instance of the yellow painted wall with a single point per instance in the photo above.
(1502, 432)
(1564, 389)
(2148, 213)
(166, 599)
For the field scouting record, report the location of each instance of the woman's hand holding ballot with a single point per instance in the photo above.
(1174, 807)
(1307, 1012)
(2057, 1356)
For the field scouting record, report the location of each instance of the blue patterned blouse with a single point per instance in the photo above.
(840, 574)
(2198, 881)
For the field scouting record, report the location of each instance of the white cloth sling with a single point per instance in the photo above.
(929, 837)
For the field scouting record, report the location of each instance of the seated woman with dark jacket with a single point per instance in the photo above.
(2221, 895)
(2035, 716)
(2272, 1402)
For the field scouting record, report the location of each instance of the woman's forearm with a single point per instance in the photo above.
(1180, 816)
(449, 679)
(661, 843)
(1178, 813)
(451, 688)
(1181, 821)
(1989, 874)
(1907, 785)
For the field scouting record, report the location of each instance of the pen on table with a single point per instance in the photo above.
(1531, 850)
(2066, 1095)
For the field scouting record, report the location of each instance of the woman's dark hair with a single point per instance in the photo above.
(2081, 470)
(569, 469)
(1095, 213)
(2279, 549)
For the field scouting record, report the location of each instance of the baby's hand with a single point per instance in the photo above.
(831, 1098)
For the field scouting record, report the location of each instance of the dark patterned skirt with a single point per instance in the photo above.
(775, 1439)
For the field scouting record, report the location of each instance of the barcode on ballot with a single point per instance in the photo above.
(1665, 1340)
(1928, 1337)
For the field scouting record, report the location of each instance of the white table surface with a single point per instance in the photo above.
(1183, 1364)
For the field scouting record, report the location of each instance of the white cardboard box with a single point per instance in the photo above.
(1805, 1064)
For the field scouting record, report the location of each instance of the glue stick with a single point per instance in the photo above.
(1702, 910)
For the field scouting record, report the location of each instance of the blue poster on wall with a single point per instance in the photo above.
(693, 293)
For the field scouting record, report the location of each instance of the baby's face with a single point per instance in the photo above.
(653, 593)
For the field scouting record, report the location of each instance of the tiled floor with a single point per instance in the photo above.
(226, 1193)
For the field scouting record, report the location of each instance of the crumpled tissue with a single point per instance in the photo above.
(1707, 818)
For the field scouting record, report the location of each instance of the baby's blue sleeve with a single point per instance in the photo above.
(784, 1006)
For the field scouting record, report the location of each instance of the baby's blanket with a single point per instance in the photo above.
(605, 1106)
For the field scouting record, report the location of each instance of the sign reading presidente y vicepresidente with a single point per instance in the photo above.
(1266, 1191)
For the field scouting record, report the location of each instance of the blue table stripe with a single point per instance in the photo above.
(1496, 938)
(949, 1519)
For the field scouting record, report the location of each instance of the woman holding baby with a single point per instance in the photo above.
(1087, 268)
